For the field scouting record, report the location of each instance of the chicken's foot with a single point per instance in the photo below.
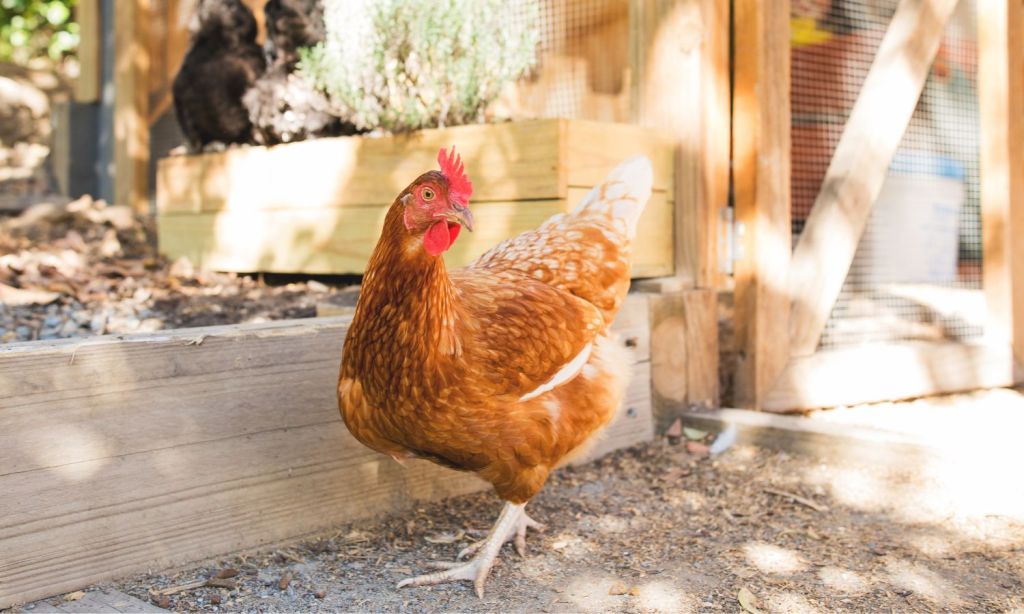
(510, 526)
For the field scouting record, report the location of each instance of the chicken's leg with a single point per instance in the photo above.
(511, 525)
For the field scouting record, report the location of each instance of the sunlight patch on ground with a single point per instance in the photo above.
(769, 558)
(923, 581)
(791, 603)
(843, 580)
(572, 547)
(688, 500)
(661, 596)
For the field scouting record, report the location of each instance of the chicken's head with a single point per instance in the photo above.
(437, 204)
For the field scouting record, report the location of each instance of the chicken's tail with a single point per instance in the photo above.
(622, 195)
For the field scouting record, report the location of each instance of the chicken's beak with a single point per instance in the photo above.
(461, 215)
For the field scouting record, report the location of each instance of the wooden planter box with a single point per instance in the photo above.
(317, 206)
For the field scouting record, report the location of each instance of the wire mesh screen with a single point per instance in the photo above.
(917, 271)
(583, 69)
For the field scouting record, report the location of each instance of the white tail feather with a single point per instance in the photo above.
(623, 194)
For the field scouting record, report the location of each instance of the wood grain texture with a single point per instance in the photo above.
(684, 353)
(231, 211)
(761, 168)
(87, 84)
(124, 454)
(340, 240)
(131, 104)
(529, 160)
(888, 372)
(681, 59)
(822, 257)
(1001, 100)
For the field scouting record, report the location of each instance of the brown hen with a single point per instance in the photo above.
(505, 367)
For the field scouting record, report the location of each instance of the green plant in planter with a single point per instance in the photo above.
(402, 65)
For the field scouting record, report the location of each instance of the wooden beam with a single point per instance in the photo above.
(684, 353)
(681, 59)
(716, 126)
(131, 104)
(761, 175)
(888, 372)
(90, 44)
(1001, 99)
(121, 454)
(858, 169)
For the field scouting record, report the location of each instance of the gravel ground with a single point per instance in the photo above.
(656, 529)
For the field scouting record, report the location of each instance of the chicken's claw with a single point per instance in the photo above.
(476, 570)
(517, 535)
(511, 525)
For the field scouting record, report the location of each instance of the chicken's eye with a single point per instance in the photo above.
(427, 194)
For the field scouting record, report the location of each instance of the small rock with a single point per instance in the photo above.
(98, 324)
(320, 594)
(315, 286)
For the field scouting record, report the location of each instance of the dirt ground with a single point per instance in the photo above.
(656, 529)
(82, 268)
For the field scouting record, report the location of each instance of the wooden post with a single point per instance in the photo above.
(858, 169)
(87, 85)
(761, 158)
(681, 59)
(1001, 99)
(131, 104)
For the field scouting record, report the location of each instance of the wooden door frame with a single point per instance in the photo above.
(784, 297)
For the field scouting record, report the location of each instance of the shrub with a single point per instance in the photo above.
(31, 29)
(403, 65)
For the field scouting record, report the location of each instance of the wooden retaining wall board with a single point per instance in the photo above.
(120, 454)
(317, 206)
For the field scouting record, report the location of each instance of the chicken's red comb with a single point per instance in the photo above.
(460, 188)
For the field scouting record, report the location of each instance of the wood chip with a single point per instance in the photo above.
(798, 499)
(618, 589)
(227, 572)
(171, 590)
(75, 596)
(222, 583)
(286, 579)
(747, 600)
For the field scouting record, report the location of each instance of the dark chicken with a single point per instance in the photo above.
(505, 367)
(221, 64)
(282, 105)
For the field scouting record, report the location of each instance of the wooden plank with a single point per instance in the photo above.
(817, 439)
(858, 169)
(124, 454)
(715, 152)
(680, 56)
(888, 372)
(761, 171)
(340, 240)
(592, 149)
(324, 241)
(512, 161)
(1001, 100)
(131, 104)
(102, 601)
(90, 43)
(684, 353)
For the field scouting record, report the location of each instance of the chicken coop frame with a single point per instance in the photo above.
(784, 293)
(186, 444)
